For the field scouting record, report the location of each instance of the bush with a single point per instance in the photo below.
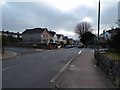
(114, 42)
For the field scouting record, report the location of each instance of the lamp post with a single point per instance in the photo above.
(98, 33)
(3, 51)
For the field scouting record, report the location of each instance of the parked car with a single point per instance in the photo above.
(68, 46)
(35, 45)
(80, 45)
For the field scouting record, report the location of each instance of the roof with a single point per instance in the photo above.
(70, 39)
(10, 33)
(113, 31)
(65, 38)
(59, 35)
(35, 30)
(52, 33)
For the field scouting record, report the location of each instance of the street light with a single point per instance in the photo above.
(3, 51)
(98, 33)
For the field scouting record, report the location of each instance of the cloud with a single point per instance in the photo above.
(87, 19)
(110, 13)
(31, 15)
(59, 16)
(67, 5)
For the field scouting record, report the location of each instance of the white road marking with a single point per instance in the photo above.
(72, 65)
(61, 71)
(57, 75)
(54, 78)
(79, 52)
(5, 69)
(95, 65)
(39, 49)
(92, 51)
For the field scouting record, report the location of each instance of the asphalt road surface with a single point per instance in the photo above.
(36, 69)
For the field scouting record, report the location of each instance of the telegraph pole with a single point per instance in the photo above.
(98, 33)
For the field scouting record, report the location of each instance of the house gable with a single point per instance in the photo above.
(45, 35)
(35, 35)
(55, 38)
(65, 39)
(61, 38)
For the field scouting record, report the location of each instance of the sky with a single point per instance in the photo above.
(60, 16)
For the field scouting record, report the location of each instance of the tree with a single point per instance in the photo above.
(83, 30)
(86, 38)
(114, 42)
(82, 27)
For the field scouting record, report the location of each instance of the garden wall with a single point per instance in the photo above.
(112, 68)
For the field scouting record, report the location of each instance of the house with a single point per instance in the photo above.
(71, 41)
(113, 31)
(76, 42)
(53, 37)
(36, 36)
(106, 35)
(12, 35)
(15, 35)
(60, 38)
(65, 40)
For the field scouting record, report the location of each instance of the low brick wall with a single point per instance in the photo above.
(112, 68)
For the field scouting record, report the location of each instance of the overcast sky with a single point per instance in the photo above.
(60, 16)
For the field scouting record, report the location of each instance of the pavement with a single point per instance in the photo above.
(8, 54)
(11, 53)
(82, 73)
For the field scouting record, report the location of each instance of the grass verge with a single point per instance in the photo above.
(113, 56)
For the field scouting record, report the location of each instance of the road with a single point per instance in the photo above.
(36, 69)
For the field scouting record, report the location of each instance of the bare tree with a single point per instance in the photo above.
(82, 27)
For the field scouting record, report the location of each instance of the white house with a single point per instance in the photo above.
(52, 36)
(65, 39)
(55, 38)
(106, 35)
(60, 38)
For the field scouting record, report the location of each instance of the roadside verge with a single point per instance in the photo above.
(8, 54)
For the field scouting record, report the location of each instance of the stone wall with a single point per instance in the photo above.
(112, 68)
